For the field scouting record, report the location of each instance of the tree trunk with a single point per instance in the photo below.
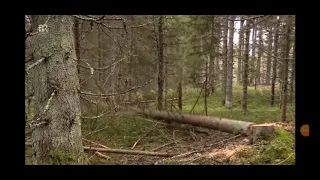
(220, 124)
(246, 66)
(274, 66)
(56, 139)
(77, 34)
(285, 70)
(260, 53)
(212, 57)
(160, 65)
(230, 66)
(268, 75)
(180, 96)
(253, 60)
(225, 59)
(206, 91)
(239, 74)
(132, 45)
(293, 72)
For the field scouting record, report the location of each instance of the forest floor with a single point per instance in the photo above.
(215, 148)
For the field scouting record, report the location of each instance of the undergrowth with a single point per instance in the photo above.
(123, 131)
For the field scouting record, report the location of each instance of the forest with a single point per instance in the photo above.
(159, 89)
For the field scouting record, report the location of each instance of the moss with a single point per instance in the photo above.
(57, 157)
(273, 152)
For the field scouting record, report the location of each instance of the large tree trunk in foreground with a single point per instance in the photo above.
(56, 135)
(220, 124)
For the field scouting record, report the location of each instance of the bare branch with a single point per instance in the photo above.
(116, 94)
(96, 117)
(109, 27)
(46, 108)
(34, 64)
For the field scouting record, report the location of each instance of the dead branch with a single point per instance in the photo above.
(35, 64)
(116, 94)
(101, 145)
(167, 144)
(110, 27)
(44, 111)
(96, 117)
(102, 155)
(134, 145)
(285, 159)
(133, 152)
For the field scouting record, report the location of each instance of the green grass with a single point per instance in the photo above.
(259, 108)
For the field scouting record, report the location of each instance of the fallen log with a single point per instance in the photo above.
(252, 130)
(134, 152)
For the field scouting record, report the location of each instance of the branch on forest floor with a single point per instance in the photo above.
(134, 145)
(101, 145)
(116, 94)
(198, 151)
(133, 152)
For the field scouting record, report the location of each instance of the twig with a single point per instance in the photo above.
(133, 152)
(102, 155)
(101, 145)
(167, 144)
(95, 131)
(197, 98)
(96, 117)
(134, 145)
(116, 94)
(285, 159)
(34, 64)
(44, 111)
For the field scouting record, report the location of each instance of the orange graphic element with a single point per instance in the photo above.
(304, 130)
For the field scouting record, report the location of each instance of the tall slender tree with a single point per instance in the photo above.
(246, 65)
(275, 59)
(230, 65)
(161, 65)
(240, 53)
(224, 59)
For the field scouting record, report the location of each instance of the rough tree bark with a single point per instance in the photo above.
(56, 137)
(212, 57)
(230, 65)
(285, 69)
(253, 60)
(246, 66)
(160, 65)
(77, 34)
(268, 75)
(293, 73)
(180, 96)
(224, 125)
(260, 53)
(274, 66)
(239, 74)
(224, 59)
